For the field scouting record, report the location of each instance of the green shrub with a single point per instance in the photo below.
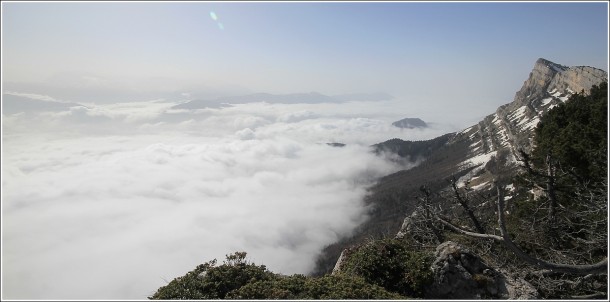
(334, 287)
(237, 279)
(329, 287)
(388, 263)
(209, 281)
(280, 287)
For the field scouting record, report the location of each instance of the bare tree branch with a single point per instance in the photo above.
(586, 269)
(464, 203)
(599, 295)
(465, 232)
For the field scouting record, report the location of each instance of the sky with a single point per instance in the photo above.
(109, 190)
(130, 51)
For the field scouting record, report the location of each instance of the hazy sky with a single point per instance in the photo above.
(112, 194)
(428, 52)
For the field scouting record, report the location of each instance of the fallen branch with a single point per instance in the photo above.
(599, 295)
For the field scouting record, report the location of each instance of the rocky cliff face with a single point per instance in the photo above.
(500, 135)
(577, 79)
(477, 155)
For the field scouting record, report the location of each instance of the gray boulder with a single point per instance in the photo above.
(460, 274)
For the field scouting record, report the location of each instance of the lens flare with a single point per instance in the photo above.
(213, 16)
(221, 26)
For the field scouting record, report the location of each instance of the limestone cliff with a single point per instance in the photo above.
(500, 135)
(477, 155)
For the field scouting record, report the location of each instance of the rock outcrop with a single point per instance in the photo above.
(459, 274)
(339, 264)
(346, 253)
(407, 226)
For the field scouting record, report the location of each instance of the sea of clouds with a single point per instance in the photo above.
(112, 201)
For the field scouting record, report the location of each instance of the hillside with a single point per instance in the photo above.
(500, 210)
(485, 151)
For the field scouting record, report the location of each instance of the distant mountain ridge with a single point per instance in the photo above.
(303, 98)
(12, 104)
(478, 154)
(415, 150)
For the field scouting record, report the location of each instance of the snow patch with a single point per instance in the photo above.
(480, 186)
(517, 113)
(475, 145)
(532, 124)
(546, 101)
(479, 159)
(466, 130)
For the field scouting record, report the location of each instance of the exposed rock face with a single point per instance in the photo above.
(406, 226)
(548, 85)
(512, 126)
(340, 262)
(410, 123)
(577, 79)
(459, 274)
(479, 154)
(542, 74)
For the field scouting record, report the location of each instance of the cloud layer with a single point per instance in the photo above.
(108, 202)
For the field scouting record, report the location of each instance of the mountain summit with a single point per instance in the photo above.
(548, 85)
(478, 154)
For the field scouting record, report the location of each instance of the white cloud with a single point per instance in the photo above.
(33, 96)
(88, 216)
(110, 210)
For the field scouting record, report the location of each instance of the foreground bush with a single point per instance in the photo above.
(238, 279)
(208, 281)
(328, 287)
(390, 264)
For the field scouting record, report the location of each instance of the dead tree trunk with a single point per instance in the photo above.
(550, 189)
(597, 268)
(463, 201)
(550, 177)
(428, 213)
